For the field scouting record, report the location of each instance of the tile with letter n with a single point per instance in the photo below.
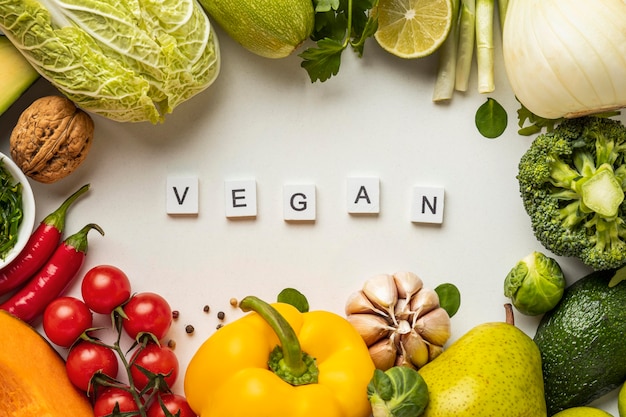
(182, 195)
(427, 204)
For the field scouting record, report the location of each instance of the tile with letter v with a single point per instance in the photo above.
(182, 195)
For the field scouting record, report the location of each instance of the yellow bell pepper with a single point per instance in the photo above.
(238, 371)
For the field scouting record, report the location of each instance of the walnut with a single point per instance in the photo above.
(51, 139)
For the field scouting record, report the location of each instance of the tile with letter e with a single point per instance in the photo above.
(182, 195)
(240, 198)
(427, 204)
(363, 195)
(299, 202)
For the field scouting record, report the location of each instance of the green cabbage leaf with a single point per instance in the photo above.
(126, 60)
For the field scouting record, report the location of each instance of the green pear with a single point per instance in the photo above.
(582, 412)
(621, 401)
(492, 370)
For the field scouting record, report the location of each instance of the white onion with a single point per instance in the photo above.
(566, 58)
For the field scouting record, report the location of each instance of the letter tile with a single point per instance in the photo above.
(427, 204)
(299, 202)
(182, 195)
(240, 198)
(363, 195)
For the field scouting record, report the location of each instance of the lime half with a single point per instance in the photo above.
(413, 28)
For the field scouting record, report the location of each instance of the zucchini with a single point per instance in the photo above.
(17, 74)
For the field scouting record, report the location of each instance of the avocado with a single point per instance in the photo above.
(582, 342)
(17, 74)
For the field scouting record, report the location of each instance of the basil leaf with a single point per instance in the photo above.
(491, 119)
(449, 298)
(295, 298)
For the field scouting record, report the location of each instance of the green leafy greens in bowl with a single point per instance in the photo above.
(17, 208)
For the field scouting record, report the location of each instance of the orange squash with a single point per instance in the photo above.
(33, 380)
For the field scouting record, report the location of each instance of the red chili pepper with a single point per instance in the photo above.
(41, 245)
(50, 281)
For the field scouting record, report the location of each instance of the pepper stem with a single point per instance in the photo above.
(57, 217)
(287, 360)
(79, 239)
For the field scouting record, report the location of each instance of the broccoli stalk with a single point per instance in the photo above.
(599, 189)
(602, 192)
(572, 182)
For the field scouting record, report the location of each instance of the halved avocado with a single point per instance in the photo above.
(17, 74)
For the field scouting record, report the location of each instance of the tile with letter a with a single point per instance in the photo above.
(363, 195)
(427, 204)
(182, 195)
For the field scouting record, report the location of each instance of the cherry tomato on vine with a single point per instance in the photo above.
(65, 319)
(156, 359)
(104, 288)
(85, 359)
(106, 401)
(147, 312)
(174, 403)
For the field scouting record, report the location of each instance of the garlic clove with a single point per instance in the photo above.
(434, 351)
(402, 360)
(383, 354)
(371, 327)
(415, 348)
(382, 292)
(434, 326)
(407, 284)
(424, 301)
(403, 327)
(402, 312)
(358, 303)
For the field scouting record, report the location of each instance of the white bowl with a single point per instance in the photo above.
(28, 207)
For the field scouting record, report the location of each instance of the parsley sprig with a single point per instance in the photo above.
(338, 24)
(530, 124)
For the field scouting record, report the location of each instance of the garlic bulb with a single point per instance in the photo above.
(566, 58)
(399, 319)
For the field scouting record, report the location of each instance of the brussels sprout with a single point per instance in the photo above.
(397, 392)
(535, 285)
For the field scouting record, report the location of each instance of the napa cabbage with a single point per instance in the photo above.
(126, 60)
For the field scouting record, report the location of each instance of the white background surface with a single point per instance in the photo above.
(264, 120)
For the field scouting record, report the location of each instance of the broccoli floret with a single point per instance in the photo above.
(572, 182)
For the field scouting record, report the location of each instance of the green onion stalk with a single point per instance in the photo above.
(472, 30)
(444, 84)
(502, 6)
(485, 11)
(465, 52)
